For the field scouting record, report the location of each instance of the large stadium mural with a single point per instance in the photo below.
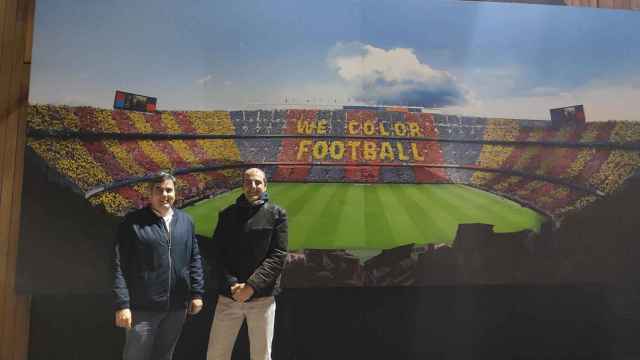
(411, 145)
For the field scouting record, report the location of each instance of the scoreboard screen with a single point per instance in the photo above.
(570, 115)
(135, 102)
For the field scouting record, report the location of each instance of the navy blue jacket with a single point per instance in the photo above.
(153, 269)
(249, 246)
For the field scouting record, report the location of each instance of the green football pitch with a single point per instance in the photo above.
(377, 216)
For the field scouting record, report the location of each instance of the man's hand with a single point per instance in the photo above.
(195, 306)
(243, 293)
(235, 288)
(123, 318)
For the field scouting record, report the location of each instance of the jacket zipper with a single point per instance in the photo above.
(170, 269)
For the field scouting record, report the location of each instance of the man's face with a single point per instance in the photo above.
(253, 185)
(162, 196)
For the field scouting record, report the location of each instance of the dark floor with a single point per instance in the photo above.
(559, 322)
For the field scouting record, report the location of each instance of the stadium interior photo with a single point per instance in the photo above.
(416, 229)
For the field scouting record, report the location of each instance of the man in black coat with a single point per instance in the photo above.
(157, 274)
(249, 248)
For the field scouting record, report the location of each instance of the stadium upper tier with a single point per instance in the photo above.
(106, 155)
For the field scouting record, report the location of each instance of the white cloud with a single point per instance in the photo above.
(394, 76)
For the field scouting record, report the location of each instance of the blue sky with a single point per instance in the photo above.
(486, 59)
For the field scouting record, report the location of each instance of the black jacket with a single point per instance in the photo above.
(155, 270)
(249, 246)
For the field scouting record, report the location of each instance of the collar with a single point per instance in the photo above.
(167, 217)
(243, 202)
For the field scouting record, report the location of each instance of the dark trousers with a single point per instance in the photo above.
(153, 335)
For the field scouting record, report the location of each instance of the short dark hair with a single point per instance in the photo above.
(162, 176)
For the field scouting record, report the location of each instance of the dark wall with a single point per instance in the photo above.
(65, 244)
(561, 322)
(600, 243)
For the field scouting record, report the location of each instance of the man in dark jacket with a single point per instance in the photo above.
(157, 274)
(249, 248)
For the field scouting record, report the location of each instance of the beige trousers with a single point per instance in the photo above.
(227, 320)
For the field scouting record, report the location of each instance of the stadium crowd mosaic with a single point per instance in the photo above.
(105, 154)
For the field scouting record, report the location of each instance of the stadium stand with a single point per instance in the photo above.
(105, 155)
(325, 174)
